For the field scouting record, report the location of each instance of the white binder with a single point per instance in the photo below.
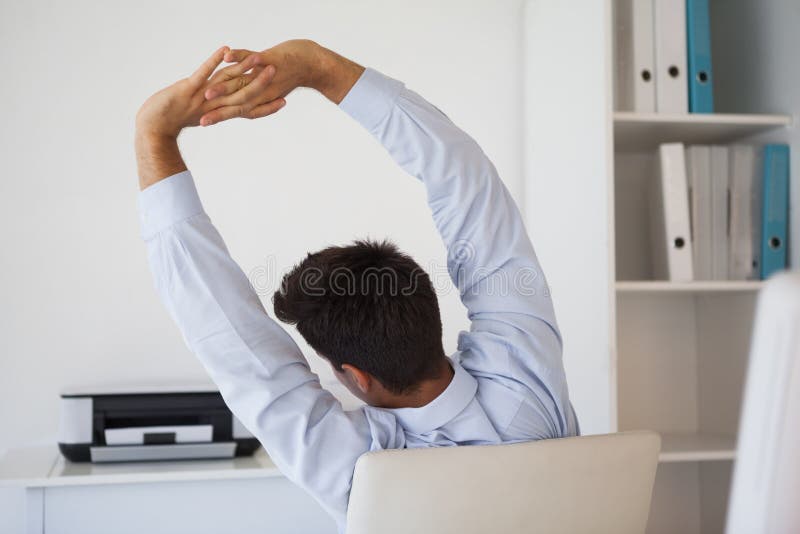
(634, 55)
(670, 235)
(720, 235)
(698, 168)
(745, 212)
(670, 51)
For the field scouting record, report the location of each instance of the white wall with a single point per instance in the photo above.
(78, 306)
(567, 51)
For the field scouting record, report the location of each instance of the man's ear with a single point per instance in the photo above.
(361, 379)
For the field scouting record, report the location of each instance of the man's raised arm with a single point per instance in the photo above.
(261, 373)
(513, 336)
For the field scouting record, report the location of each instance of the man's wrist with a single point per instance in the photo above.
(334, 75)
(157, 156)
(152, 138)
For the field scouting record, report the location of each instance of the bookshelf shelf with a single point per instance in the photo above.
(711, 286)
(645, 131)
(696, 447)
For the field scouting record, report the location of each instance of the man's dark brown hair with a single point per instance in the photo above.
(367, 305)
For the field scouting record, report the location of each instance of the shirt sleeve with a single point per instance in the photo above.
(513, 336)
(260, 371)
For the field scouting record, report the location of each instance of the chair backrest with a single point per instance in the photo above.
(766, 478)
(597, 484)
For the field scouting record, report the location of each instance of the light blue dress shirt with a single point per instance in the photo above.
(509, 382)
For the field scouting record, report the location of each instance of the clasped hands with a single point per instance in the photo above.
(254, 85)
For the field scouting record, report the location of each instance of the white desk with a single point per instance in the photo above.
(242, 494)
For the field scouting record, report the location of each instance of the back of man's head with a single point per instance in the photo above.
(370, 306)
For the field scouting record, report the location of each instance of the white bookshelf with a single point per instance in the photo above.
(645, 131)
(643, 353)
(710, 286)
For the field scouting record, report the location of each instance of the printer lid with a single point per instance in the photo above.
(139, 389)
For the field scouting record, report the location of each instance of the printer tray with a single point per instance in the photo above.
(172, 451)
(86, 452)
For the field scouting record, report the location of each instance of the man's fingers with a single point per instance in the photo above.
(236, 70)
(221, 114)
(207, 68)
(237, 55)
(249, 92)
(231, 86)
(232, 112)
(227, 86)
(266, 109)
(240, 103)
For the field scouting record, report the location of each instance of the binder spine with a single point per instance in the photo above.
(698, 40)
(775, 209)
(720, 214)
(643, 56)
(698, 167)
(670, 51)
(744, 176)
(670, 227)
(635, 56)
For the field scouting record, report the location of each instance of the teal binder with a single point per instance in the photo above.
(774, 209)
(698, 60)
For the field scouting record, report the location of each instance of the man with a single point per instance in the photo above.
(381, 334)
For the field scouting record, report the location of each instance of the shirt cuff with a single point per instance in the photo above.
(371, 98)
(167, 202)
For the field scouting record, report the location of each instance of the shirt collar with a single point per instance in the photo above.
(450, 402)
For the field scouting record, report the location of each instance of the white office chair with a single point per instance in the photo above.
(765, 493)
(596, 484)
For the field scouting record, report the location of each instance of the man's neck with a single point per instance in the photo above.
(426, 392)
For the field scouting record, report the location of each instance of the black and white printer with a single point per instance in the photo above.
(153, 423)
